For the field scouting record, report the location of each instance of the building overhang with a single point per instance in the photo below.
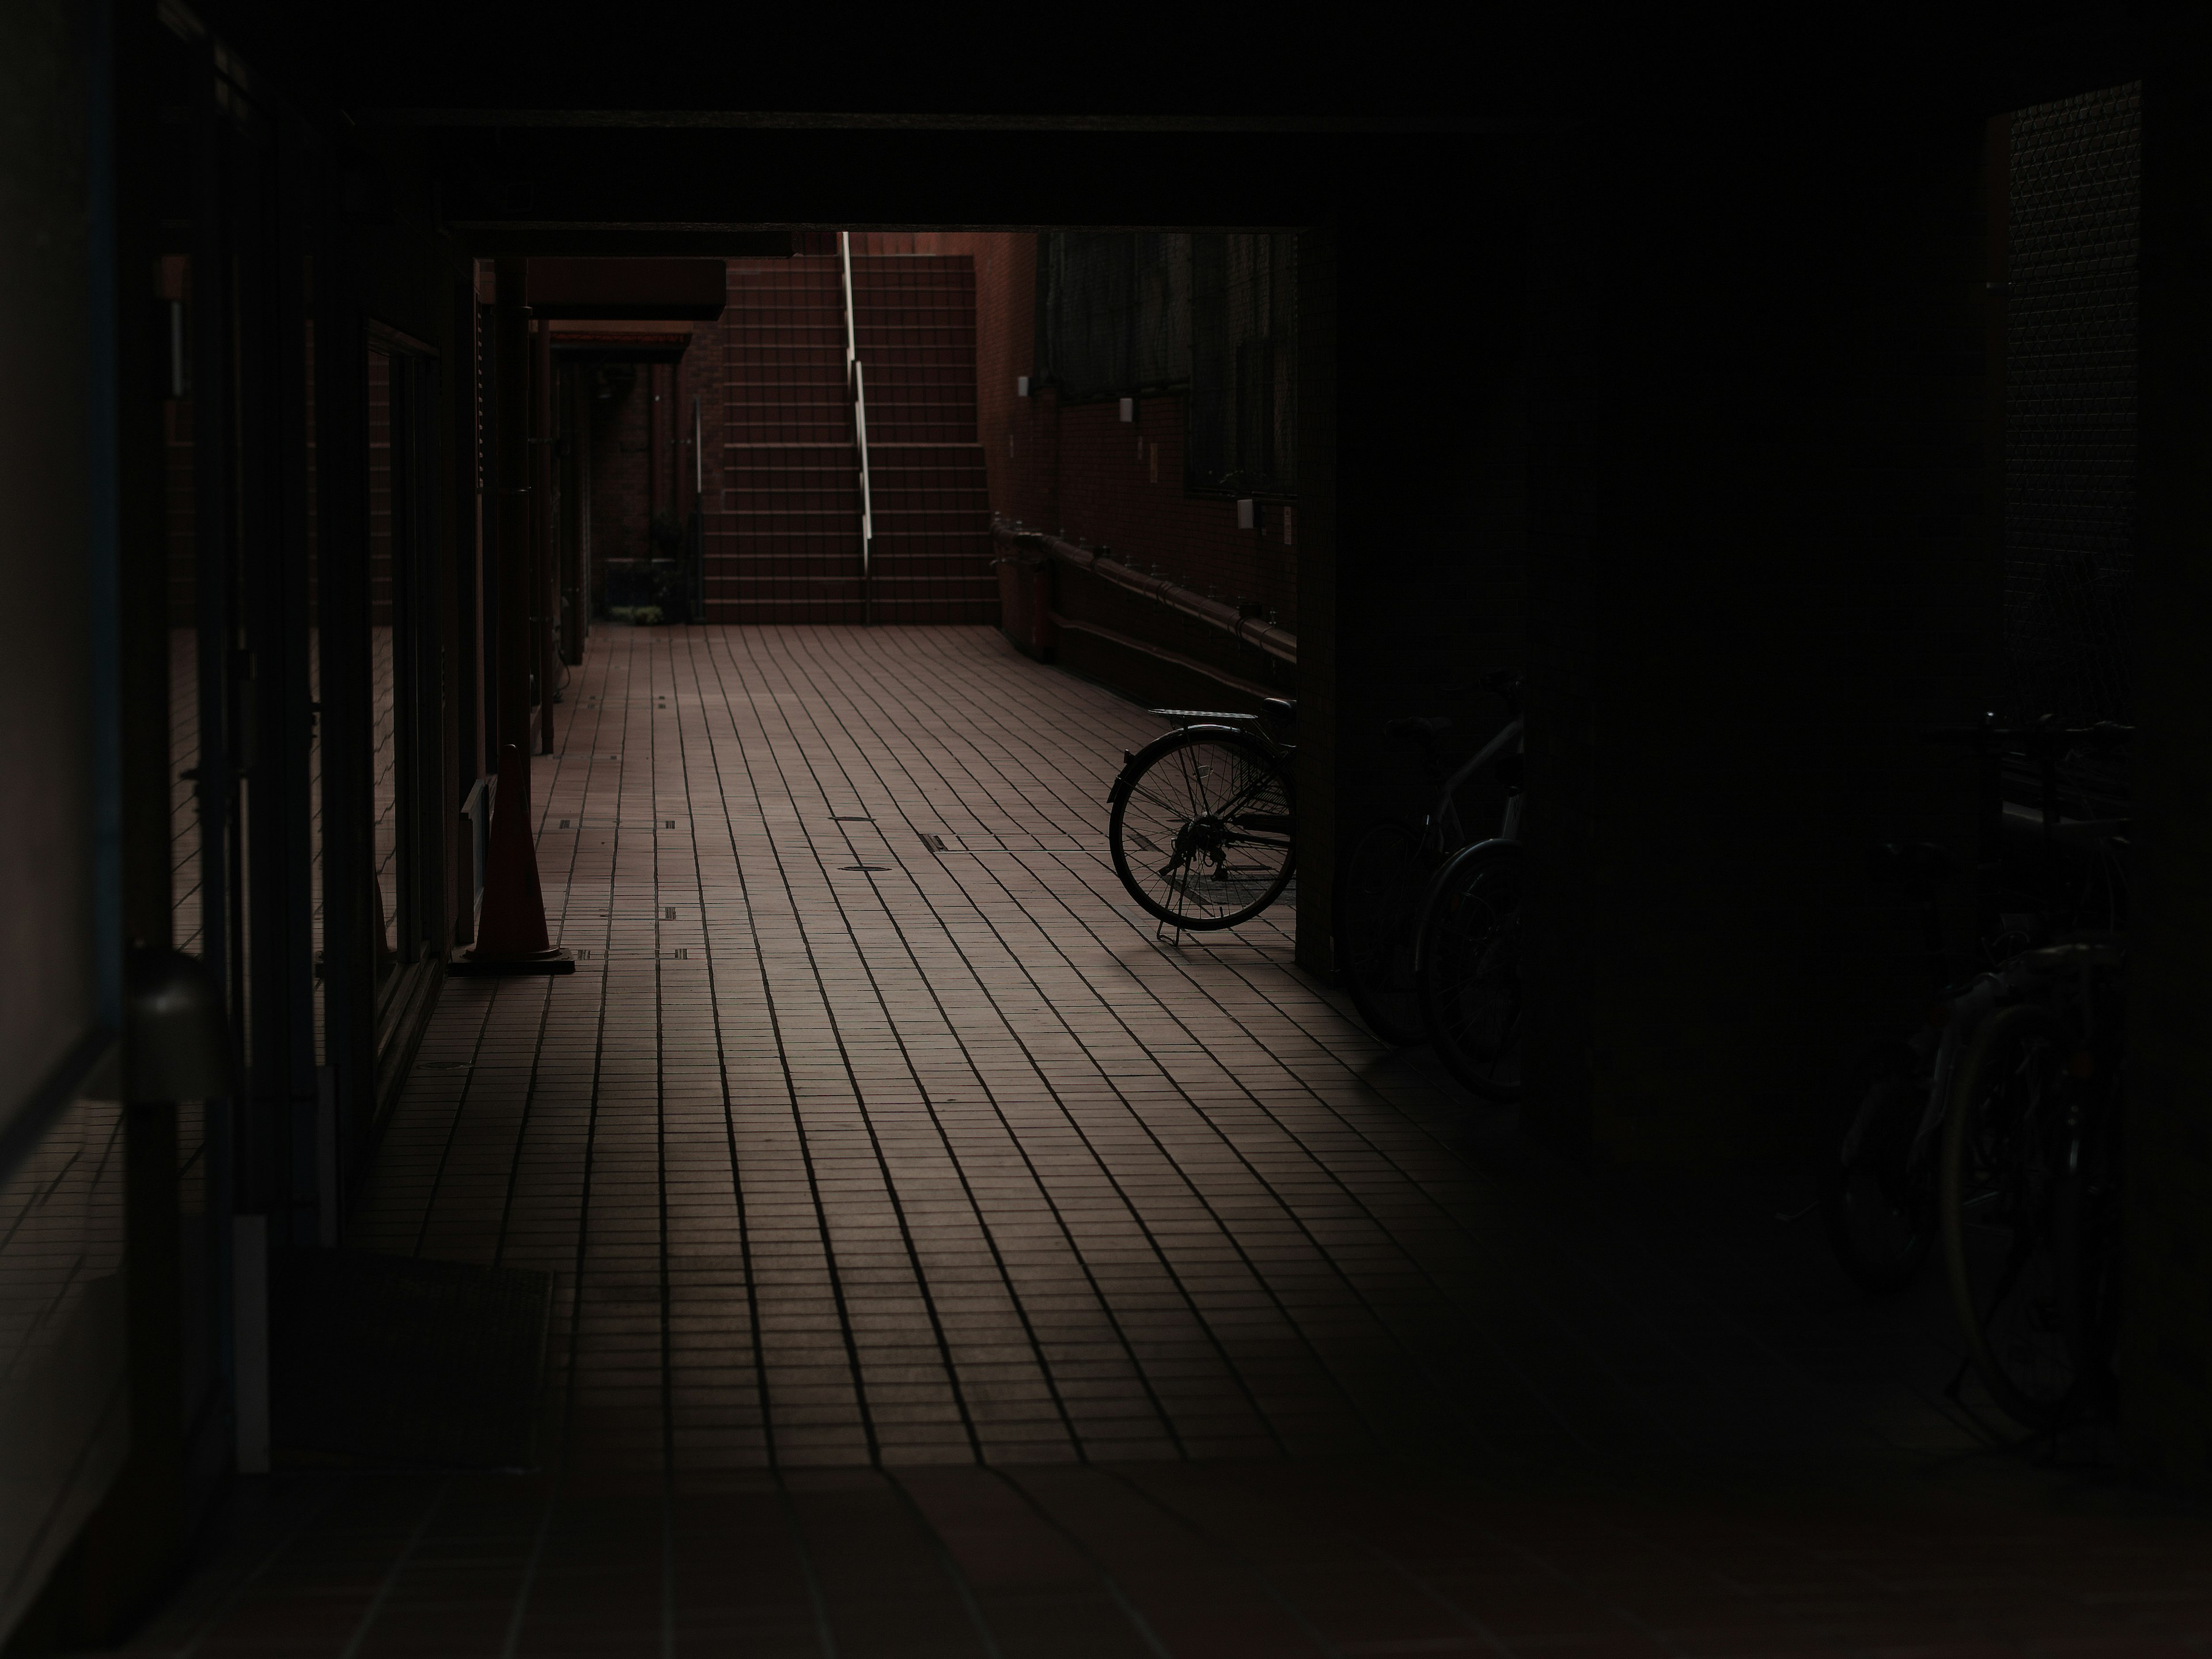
(625, 289)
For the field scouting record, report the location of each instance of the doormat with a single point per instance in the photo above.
(388, 1360)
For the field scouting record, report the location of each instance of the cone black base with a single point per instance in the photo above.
(550, 962)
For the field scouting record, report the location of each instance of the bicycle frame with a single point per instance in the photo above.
(2024, 975)
(2079, 987)
(2016, 966)
(1967, 1011)
(1433, 832)
(1972, 1002)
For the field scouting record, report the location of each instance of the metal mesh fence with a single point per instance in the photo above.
(1113, 313)
(1213, 314)
(2069, 519)
(1244, 360)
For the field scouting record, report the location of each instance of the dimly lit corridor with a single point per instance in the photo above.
(1261, 1343)
(1218, 835)
(875, 1125)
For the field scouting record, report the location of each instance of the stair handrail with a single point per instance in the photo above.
(852, 353)
(860, 432)
(856, 382)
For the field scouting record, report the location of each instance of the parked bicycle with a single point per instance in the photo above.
(1934, 1144)
(1428, 922)
(1202, 826)
(2030, 1184)
(1878, 1195)
(1427, 918)
(1878, 1199)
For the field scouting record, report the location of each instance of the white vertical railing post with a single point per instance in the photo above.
(852, 355)
(856, 384)
(860, 427)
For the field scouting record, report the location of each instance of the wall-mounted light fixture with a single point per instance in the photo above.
(1248, 515)
(1128, 409)
(1022, 386)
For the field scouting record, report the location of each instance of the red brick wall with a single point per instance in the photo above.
(1005, 312)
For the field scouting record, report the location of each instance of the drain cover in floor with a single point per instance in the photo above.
(385, 1359)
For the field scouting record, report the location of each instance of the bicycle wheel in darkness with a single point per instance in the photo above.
(1473, 976)
(1878, 1194)
(1378, 892)
(2005, 1198)
(1202, 836)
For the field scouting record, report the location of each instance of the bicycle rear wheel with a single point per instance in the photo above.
(1473, 976)
(1378, 893)
(2006, 1194)
(1878, 1197)
(1202, 837)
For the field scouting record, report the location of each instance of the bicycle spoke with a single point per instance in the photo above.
(1194, 777)
(2004, 1178)
(1183, 833)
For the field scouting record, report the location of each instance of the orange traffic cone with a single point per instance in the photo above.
(511, 926)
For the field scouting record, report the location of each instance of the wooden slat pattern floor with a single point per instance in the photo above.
(948, 1267)
(847, 1150)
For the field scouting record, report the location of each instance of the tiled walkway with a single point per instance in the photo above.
(946, 1265)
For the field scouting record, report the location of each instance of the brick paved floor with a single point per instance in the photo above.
(946, 1265)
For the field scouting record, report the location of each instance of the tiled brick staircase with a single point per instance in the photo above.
(782, 537)
(783, 543)
(916, 328)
